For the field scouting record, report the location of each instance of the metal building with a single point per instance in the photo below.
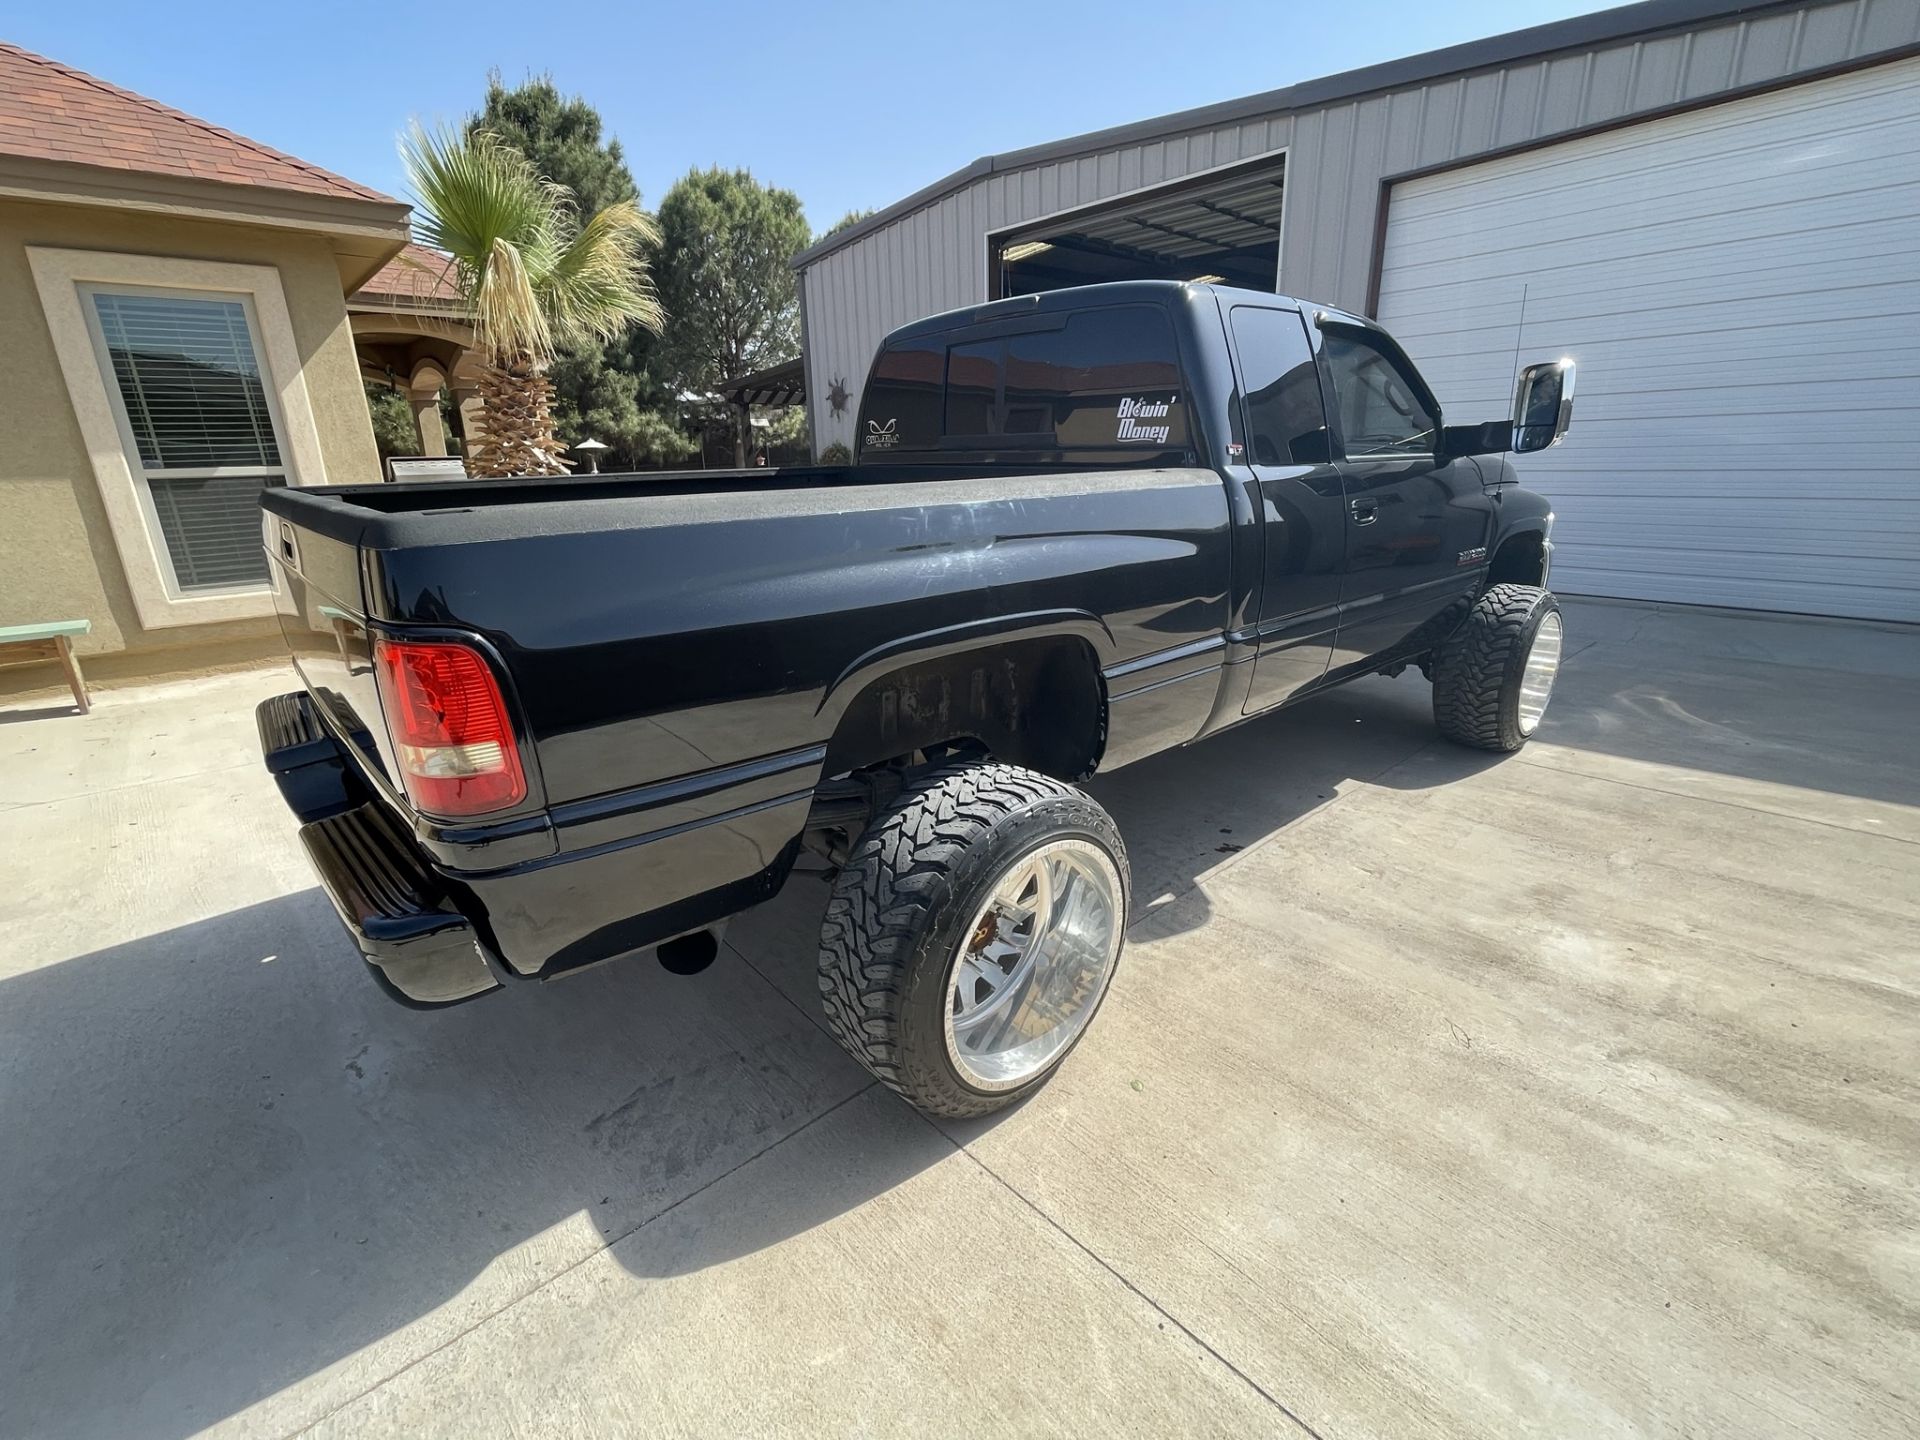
(1713, 206)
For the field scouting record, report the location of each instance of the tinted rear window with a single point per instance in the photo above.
(1106, 380)
(903, 394)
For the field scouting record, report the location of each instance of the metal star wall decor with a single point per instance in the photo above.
(838, 396)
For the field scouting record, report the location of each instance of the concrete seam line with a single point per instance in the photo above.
(130, 785)
(1152, 1304)
(1716, 800)
(568, 1269)
(813, 1014)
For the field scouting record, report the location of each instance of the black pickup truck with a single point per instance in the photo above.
(545, 723)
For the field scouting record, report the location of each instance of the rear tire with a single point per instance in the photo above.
(1493, 676)
(972, 934)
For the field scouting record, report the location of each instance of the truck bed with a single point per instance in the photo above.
(678, 650)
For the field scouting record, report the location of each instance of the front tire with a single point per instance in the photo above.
(1494, 675)
(972, 935)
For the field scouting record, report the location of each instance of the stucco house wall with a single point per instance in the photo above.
(58, 557)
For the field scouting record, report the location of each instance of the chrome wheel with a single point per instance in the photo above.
(1543, 664)
(1033, 964)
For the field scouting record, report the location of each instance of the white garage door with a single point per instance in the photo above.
(1741, 287)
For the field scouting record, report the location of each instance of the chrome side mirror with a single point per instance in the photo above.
(1542, 406)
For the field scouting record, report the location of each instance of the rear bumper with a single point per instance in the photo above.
(629, 872)
(422, 950)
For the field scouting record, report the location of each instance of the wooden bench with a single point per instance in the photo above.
(52, 640)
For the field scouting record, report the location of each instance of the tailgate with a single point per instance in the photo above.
(323, 619)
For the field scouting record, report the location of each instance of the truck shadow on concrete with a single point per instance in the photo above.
(232, 1162)
(1185, 813)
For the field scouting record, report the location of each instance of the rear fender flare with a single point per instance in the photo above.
(950, 640)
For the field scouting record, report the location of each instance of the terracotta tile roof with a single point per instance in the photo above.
(416, 273)
(51, 112)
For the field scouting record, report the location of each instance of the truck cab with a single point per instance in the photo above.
(1363, 519)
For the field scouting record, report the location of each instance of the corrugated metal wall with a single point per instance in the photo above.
(935, 258)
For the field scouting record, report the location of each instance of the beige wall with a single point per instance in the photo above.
(57, 555)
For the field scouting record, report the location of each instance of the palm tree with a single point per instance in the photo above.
(534, 276)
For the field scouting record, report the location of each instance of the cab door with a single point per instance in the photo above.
(1416, 522)
(1302, 513)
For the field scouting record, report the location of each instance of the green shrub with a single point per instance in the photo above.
(394, 432)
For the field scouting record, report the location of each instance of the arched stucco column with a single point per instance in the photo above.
(423, 393)
(473, 414)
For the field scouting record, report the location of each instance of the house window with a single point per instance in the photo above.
(197, 424)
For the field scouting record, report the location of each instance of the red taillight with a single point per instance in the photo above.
(451, 735)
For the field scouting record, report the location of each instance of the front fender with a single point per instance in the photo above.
(1525, 526)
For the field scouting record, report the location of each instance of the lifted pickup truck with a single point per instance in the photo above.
(546, 722)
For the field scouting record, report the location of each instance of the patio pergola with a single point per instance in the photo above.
(777, 385)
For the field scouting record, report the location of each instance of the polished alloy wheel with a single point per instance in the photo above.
(1543, 664)
(1034, 963)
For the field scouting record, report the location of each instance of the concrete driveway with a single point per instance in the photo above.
(1575, 1094)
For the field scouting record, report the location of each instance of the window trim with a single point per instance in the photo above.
(63, 278)
(1243, 388)
(145, 475)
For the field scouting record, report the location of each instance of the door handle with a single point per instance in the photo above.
(1365, 512)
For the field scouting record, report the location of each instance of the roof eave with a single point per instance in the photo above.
(62, 182)
(364, 302)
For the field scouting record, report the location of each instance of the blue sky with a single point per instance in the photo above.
(847, 104)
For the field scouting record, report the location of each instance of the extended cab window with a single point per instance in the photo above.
(1381, 412)
(1286, 423)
